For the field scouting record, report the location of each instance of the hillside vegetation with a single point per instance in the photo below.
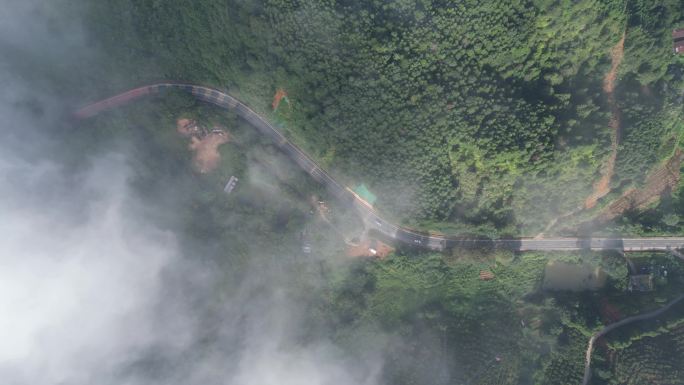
(476, 116)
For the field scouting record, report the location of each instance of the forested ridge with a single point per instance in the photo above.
(480, 116)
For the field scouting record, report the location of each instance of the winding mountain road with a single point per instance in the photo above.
(371, 217)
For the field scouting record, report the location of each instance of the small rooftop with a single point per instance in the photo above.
(679, 47)
(641, 282)
(365, 194)
(678, 40)
(230, 185)
(678, 33)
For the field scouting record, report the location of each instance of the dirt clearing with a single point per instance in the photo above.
(369, 248)
(279, 95)
(207, 157)
(203, 143)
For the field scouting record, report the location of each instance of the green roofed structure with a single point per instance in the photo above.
(365, 194)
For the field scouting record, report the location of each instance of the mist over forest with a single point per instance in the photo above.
(101, 285)
(486, 118)
(123, 262)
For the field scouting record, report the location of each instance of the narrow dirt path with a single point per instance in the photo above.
(602, 186)
(607, 329)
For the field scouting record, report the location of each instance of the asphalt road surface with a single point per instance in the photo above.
(371, 217)
(613, 326)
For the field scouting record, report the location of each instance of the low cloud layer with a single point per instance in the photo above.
(87, 296)
(93, 292)
(76, 289)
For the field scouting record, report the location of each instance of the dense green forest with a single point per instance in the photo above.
(471, 116)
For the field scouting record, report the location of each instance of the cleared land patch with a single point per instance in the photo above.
(203, 143)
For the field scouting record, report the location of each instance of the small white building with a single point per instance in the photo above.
(230, 185)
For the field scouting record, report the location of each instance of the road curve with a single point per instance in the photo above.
(371, 217)
(611, 327)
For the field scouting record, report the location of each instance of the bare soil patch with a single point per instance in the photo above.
(203, 143)
(279, 95)
(369, 248)
(207, 156)
(186, 127)
(616, 55)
